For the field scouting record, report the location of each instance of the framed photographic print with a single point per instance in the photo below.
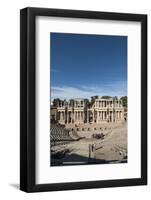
(83, 99)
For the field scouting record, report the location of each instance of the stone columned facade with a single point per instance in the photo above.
(79, 111)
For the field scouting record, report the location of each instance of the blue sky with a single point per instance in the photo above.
(85, 65)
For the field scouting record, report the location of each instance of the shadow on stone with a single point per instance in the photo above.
(75, 159)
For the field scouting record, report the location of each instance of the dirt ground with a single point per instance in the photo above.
(112, 148)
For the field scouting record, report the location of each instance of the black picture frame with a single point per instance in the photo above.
(28, 99)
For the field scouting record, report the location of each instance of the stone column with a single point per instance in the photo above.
(112, 116)
(93, 116)
(87, 116)
(123, 115)
(80, 113)
(103, 115)
(59, 115)
(120, 115)
(62, 116)
(68, 116)
(97, 116)
(73, 117)
(79, 116)
(109, 115)
(76, 116)
(106, 115)
(83, 116)
(55, 115)
(117, 115)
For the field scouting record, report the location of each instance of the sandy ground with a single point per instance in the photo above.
(111, 149)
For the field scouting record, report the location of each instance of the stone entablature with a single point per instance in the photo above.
(100, 111)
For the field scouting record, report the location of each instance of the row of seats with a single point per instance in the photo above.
(58, 133)
(89, 129)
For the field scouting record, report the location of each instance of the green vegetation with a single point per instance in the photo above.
(56, 102)
(106, 97)
(124, 100)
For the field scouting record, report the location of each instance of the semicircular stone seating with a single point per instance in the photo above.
(58, 133)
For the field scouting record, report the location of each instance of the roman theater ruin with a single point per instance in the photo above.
(78, 112)
(79, 124)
